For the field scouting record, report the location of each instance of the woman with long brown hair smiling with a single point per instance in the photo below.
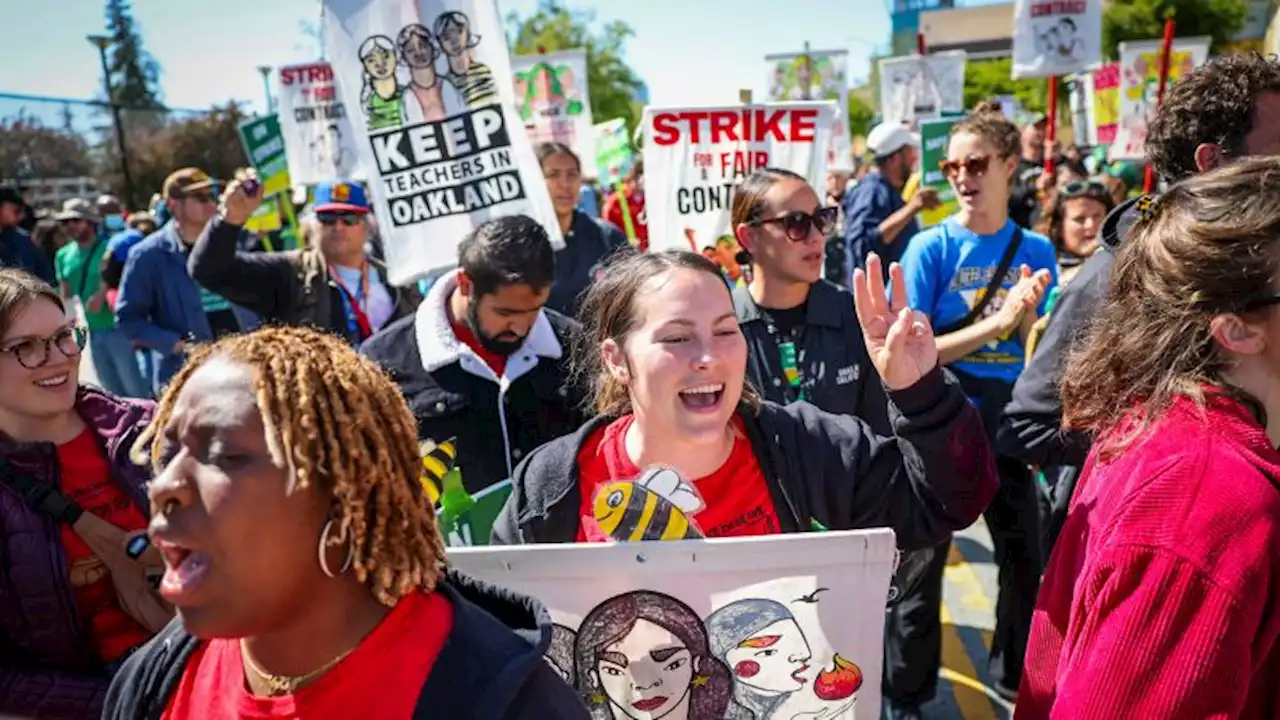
(1160, 600)
(303, 558)
(667, 362)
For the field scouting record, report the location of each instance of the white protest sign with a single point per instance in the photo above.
(1056, 37)
(1140, 86)
(695, 157)
(922, 87)
(319, 141)
(552, 99)
(817, 75)
(439, 136)
(770, 628)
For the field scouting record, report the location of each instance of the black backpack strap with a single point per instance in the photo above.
(39, 496)
(992, 287)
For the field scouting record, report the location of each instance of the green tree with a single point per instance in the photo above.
(134, 73)
(984, 79)
(860, 113)
(610, 81)
(29, 149)
(1144, 20)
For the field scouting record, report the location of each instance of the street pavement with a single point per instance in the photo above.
(968, 618)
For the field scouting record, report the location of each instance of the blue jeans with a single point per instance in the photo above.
(117, 365)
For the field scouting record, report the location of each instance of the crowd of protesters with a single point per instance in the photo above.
(1095, 374)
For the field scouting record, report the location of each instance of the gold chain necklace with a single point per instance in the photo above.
(285, 684)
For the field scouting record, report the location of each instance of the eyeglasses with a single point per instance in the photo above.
(975, 165)
(330, 219)
(203, 198)
(1084, 187)
(797, 225)
(33, 353)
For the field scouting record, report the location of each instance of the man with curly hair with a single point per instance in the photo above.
(1225, 109)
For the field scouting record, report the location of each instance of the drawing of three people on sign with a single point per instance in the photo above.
(644, 655)
(403, 84)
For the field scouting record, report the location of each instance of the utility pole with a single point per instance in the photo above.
(266, 85)
(102, 42)
(808, 74)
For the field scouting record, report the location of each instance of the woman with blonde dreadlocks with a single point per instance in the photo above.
(304, 564)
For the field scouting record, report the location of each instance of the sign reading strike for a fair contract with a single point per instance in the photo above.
(784, 627)
(424, 85)
(264, 144)
(1056, 37)
(694, 159)
(319, 139)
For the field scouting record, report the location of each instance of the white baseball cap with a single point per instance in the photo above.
(888, 138)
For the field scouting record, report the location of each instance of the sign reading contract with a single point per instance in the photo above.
(783, 627)
(264, 144)
(439, 138)
(321, 144)
(695, 158)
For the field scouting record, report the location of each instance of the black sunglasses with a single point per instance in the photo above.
(797, 225)
(333, 218)
(1084, 187)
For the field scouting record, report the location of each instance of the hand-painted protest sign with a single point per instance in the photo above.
(319, 139)
(439, 136)
(614, 156)
(934, 136)
(1139, 85)
(695, 157)
(1102, 96)
(817, 75)
(922, 87)
(771, 628)
(1056, 37)
(552, 99)
(264, 145)
(464, 518)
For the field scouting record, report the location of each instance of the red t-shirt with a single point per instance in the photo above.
(381, 678)
(735, 498)
(496, 362)
(86, 479)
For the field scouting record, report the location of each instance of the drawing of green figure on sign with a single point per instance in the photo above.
(464, 519)
(547, 91)
(380, 96)
(473, 79)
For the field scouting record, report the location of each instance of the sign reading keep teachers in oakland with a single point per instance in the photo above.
(425, 84)
(694, 159)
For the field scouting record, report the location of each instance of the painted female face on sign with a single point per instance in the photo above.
(647, 674)
(773, 660)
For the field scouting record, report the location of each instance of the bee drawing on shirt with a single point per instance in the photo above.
(437, 460)
(655, 506)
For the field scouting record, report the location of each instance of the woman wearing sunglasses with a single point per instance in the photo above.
(335, 284)
(982, 281)
(802, 334)
(65, 622)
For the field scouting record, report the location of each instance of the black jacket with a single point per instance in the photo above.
(588, 243)
(935, 477)
(291, 287)
(835, 357)
(490, 668)
(1032, 426)
(455, 400)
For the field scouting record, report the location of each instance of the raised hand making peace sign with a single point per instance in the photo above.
(899, 340)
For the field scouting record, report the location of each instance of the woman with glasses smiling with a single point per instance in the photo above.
(982, 280)
(69, 606)
(335, 284)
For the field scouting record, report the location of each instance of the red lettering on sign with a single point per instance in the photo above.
(742, 163)
(1059, 7)
(324, 94)
(747, 125)
(305, 74)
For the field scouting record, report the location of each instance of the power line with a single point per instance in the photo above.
(91, 103)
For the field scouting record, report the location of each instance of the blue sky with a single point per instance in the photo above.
(208, 51)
